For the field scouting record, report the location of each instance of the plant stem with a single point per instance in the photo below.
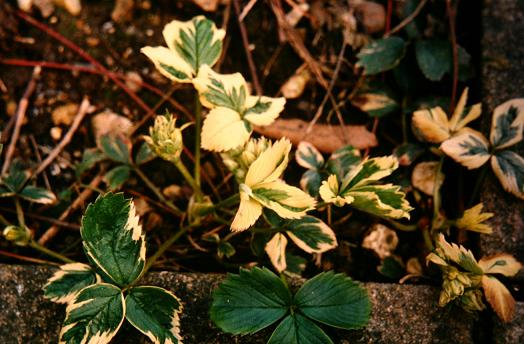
(187, 176)
(33, 244)
(163, 248)
(156, 191)
(231, 200)
(480, 180)
(284, 279)
(198, 124)
(436, 192)
(401, 226)
(19, 213)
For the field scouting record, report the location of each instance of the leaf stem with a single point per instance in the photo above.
(187, 176)
(19, 213)
(156, 191)
(480, 180)
(198, 124)
(165, 246)
(231, 200)
(33, 244)
(436, 192)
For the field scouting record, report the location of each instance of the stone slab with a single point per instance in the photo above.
(401, 313)
(512, 333)
(502, 79)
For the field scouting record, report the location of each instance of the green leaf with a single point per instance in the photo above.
(16, 177)
(155, 312)
(507, 123)
(94, 316)
(225, 249)
(381, 55)
(392, 268)
(37, 195)
(311, 234)
(295, 264)
(65, 284)
(297, 329)
(381, 200)
(308, 156)
(407, 153)
(369, 171)
(250, 301)
(117, 176)
(116, 148)
(342, 160)
(509, 169)
(377, 100)
(311, 181)
(5, 192)
(144, 154)
(90, 158)
(198, 44)
(113, 238)
(434, 58)
(335, 300)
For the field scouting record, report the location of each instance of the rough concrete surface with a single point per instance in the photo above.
(510, 333)
(401, 314)
(502, 79)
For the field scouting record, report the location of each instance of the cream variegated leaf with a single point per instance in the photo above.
(67, 282)
(224, 130)
(499, 298)
(155, 312)
(287, 201)
(329, 192)
(509, 169)
(431, 125)
(247, 214)
(312, 235)
(94, 316)
(276, 250)
(468, 147)
(424, 177)
(263, 110)
(308, 156)
(190, 45)
(502, 263)
(473, 220)
(507, 123)
(369, 171)
(381, 200)
(224, 90)
(462, 114)
(270, 164)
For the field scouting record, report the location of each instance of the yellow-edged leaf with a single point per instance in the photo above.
(329, 192)
(368, 171)
(263, 110)
(468, 147)
(507, 124)
(276, 250)
(224, 90)
(269, 165)
(509, 169)
(381, 200)
(247, 214)
(473, 220)
(501, 263)
(431, 125)
(287, 201)
(463, 115)
(312, 235)
(223, 130)
(308, 156)
(499, 298)
(169, 63)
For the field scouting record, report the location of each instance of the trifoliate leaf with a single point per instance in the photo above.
(113, 238)
(463, 115)
(94, 316)
(276, 250)
(381, 55)
(155, 312)
(250, 301)
(67, 282)
(335, 300)
(509, 169)
(90, 158)
(37, 195)
(469, 148)
(499, 298)
(308, 156)
(297, 329)
(117, 176)
(116, 148)
(502, 263)
(507, 124)
(311, 234)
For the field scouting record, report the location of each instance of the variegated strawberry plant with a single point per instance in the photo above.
(100, 296)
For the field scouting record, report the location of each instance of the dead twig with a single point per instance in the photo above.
(408, 19)
(20, 115)
(44, 218)
(77, 203)
(249, 56)
(27, 259)
(39, 159)
(452, 12)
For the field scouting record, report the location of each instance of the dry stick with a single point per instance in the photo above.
(86, 69)
(245, 42)
(408, 19)
(452, 32)
(246, 9)
(39, 159)
(83, 54)
(153, 110)
(82, 111)
(44, 218)
(20, 115)
(28, 259)
(78, 202)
